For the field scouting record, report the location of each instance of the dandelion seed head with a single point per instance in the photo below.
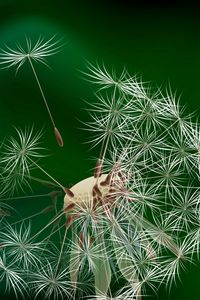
(51, 283)
(137, 217)
(19, 246)
(38, 51)
(16, 157)
(11, 276)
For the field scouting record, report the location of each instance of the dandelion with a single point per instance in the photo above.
(135, 219)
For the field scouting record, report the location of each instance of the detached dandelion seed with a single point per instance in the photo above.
(135, 219)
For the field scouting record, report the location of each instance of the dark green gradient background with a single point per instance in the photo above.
(160, 43)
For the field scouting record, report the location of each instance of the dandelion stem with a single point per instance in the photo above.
(106, 139)
(41, 169)
(41, 90)
(24, 219)
(24, 197)
(56, 131)
(53, 232)
(46, 226)
(105, 149)
(42, 181)
(61, 250)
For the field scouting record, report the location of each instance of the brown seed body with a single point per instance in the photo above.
(58, 137)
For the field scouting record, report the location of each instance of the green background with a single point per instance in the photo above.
(160, 43)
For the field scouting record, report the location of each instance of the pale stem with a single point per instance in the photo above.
(56, 212)
(41, 169)
(56, 218)
(138, 297)
(103, 142)
(61, 250)
(24, 197)
(107, 139)
(42, 181)
(41, 90)
(53, 232)
(22, 220)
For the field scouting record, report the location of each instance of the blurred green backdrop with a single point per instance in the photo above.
(160, 43)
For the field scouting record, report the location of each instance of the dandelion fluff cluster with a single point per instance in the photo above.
(130, 227)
